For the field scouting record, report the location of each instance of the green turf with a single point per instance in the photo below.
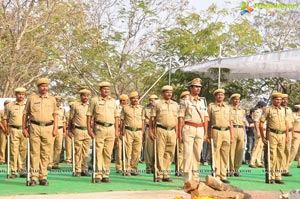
(62, 182)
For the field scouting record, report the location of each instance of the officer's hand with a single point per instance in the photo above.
(64, 134)
(151, 135)
(208, 140)
(258, 135)
(54, 132)
(265, 141)
(287, 139)
(70, 134)
(205, 139)
(231, 139)
(116, 141)
(91, 134)
(25, 133)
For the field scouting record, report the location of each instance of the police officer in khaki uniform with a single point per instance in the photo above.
(13, 124)
(288, 145)
(221, 132)
(41, 111)
(238, 144)
(133, 120)
(256, 155)
(165, 114)
(106, 129)
(148, 140)
(82, 139)
(3, 135)
(68, 140)
(58, 140)
(118, 144)
(183, 96)
(277, 134)
(295, 136)
(193, 123)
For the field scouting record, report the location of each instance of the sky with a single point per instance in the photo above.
(204, 4)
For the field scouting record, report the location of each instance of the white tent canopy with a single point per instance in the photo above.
(284, 64)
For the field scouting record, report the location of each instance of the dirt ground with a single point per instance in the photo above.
(136, 195)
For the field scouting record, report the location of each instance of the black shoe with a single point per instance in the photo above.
(260, 166)
(252, 166)
(167, 180)
(158, 180)
(286, 174)
(77, 174)
(279, 182)
(85, 173)
(23, 175)
(119, 171)
(44, 182)
(298, 166)
(13, 176)
(49, 168)
(32, 183)
(270, 181)
(225, 181)
(97, 180)
(107, 180)
(55, 167)
(237, 174)
(134, 173)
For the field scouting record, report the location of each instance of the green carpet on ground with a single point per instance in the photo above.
(61, 182)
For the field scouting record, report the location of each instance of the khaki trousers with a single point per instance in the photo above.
(105, 137)
(180, 157)
(294, 148)
(165, 141)
(287, 152)
(2, 146)
(221, 151)
(82, 143)
(118, 155)
(133, 148)
(57, 147)
(41, 138)
(148, 151)
(237, 149)
(68, 144)
(257, 151)
(18, 151)
(277, 156)
(192, 147)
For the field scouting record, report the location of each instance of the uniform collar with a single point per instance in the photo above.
(44, 96)
(134, 106)
(19, 103)
(236, 108)
(220, 104)
(276, 107)
(102, 98)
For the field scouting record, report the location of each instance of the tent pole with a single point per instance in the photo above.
(219, 77)
(170, 66)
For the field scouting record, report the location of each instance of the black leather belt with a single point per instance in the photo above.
(42, 123)
(221, 129)
(166, 128)
(277, 131)
(16, 127)
(104, 124)
(60, 127)
(81, 128)
(133, 129)
(238, 126)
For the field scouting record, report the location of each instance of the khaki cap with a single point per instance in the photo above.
(219, 90)
(133, 94)
(184, 93)
(167, 88)
(284, 95)
(235, 95)
(71, 103)
(20, 90)
(58, 97)
(153, 97)
(123, 97)
(104, 84)
(297, 106)
(276, 95)
(43, 81)
(84, 91)
(196, 82)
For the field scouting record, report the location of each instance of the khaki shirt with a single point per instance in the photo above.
(289, 115)
(14, 113)
(1, 115)
(166, 113)
(220, 115)
(41, 108)
(275, 118)
(78, 114)
(133, 116)
(238, 116)
(296, 117)
(61, 116)
(147, 114)
(103, 110)
(188, 109)
(257, 115)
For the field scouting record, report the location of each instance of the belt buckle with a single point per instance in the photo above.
(223, 129)
(133, 129)
(169, 129)
(106, 124)
(42, 124)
